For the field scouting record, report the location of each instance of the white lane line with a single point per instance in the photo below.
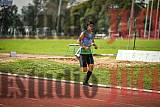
(99, 85)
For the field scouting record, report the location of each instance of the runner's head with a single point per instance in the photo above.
(90, 26)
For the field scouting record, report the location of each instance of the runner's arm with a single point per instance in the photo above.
(93, 43)
(80, 39)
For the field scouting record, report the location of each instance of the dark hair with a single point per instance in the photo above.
(90, 22)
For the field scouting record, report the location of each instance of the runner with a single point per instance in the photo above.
(86, 40)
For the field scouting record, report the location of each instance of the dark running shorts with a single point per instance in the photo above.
(86, 59)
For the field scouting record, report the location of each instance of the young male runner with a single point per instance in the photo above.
(86, 40)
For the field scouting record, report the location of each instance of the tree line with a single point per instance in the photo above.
(44, 13)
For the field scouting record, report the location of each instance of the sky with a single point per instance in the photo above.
(21, 3)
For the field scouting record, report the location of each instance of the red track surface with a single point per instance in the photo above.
(104, 97)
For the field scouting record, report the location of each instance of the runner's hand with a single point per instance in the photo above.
(95, 47)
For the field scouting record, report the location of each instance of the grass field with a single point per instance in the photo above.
(60, 46)
(50, 69)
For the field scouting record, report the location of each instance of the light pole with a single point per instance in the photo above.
(135, 34)
(44, 9)
(146, 21)
(155, 34)
(131, 22)
(150, 22)
(58, 16)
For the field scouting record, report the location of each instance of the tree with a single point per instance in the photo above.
(43, 13)
(29, 14)
(97, 11)
(10, 20)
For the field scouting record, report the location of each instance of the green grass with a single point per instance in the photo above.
(150, 45)
(54, 47)
(51, 69)
(60, 46)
